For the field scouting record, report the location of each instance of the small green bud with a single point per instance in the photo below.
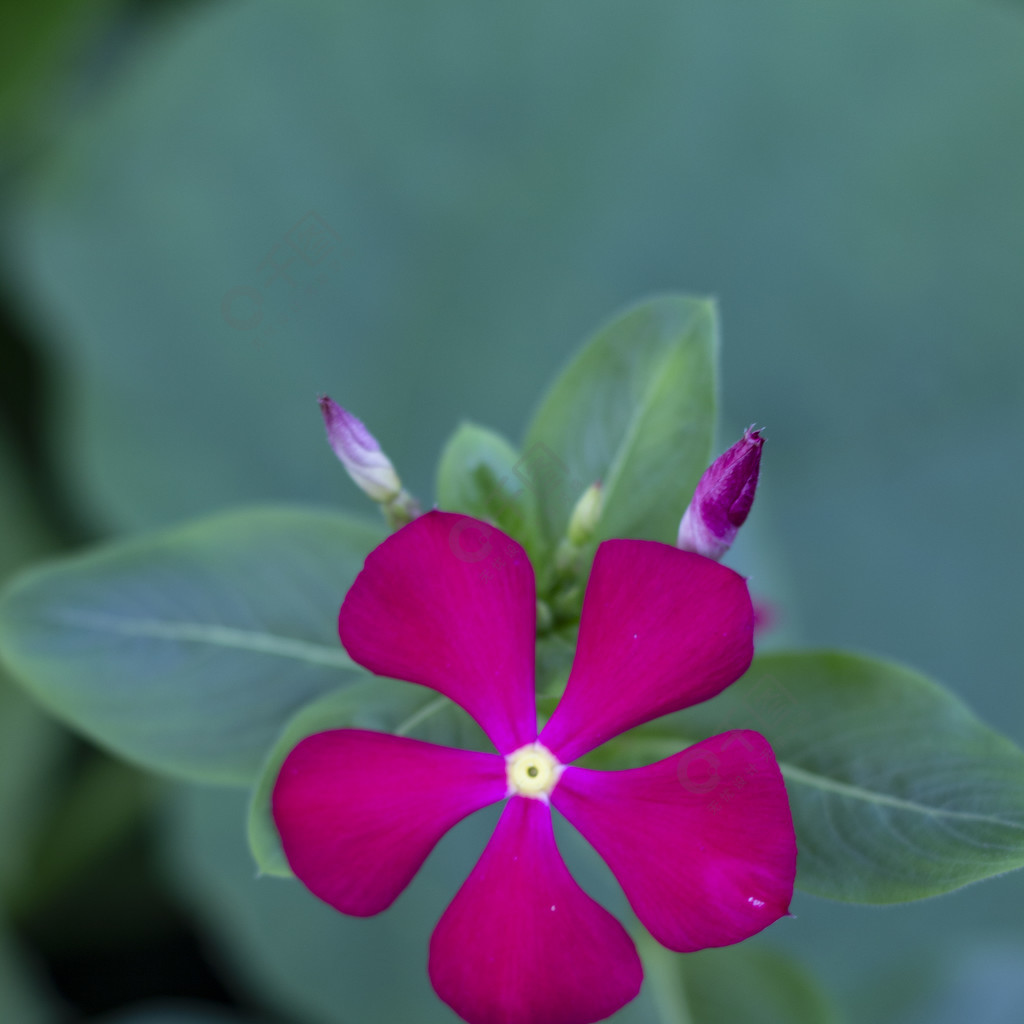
(586, 515)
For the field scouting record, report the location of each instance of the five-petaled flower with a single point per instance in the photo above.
(521, 943)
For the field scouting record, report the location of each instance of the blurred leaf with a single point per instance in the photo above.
(186, 651)
(23, 537)
(898, 792)
(55, 826)
(754, 985)
(477, 475)
(985, 983)
(37, 41)
(31, 745)
(175, 1013)
(282, 945)
(747, 983)
(634, 410)
(379, 704)
(100, 805)
(195, 322)
(22, 998)
(30, 752)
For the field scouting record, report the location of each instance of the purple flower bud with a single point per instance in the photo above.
(723, 498)
(360, 453)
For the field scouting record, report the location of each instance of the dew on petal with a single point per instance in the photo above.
(755, 902)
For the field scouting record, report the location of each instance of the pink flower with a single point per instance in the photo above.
(701, 842)
(723, 498)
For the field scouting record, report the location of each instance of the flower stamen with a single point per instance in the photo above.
(532, 771)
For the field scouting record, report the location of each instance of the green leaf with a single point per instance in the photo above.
(635, 410)
(898, 792)
(479, 475)
(748, 983)
(382, 705)
(187, 650)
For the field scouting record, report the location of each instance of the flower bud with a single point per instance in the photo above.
(723, 498)
(586, 515)
(359, 453)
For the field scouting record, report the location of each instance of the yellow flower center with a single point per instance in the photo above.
(532, 771)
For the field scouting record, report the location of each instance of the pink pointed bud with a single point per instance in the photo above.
(359, 453)
(723, 498)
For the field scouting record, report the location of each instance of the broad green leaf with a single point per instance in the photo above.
(186, 651)
(634, 410)
(748, 983)
(898, 792)
(480, 474)
(287, 948)
(383, 705)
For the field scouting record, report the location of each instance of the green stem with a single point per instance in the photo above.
(665, 981)
(400, 510)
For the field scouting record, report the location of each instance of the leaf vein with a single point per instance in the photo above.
(215, 635)
(791, 771)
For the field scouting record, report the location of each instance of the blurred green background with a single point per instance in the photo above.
(484, 185)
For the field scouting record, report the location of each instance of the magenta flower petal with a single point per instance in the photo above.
(702, 842)
(521, 943)
(449, 602)
(358, 812)
(661, 629)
